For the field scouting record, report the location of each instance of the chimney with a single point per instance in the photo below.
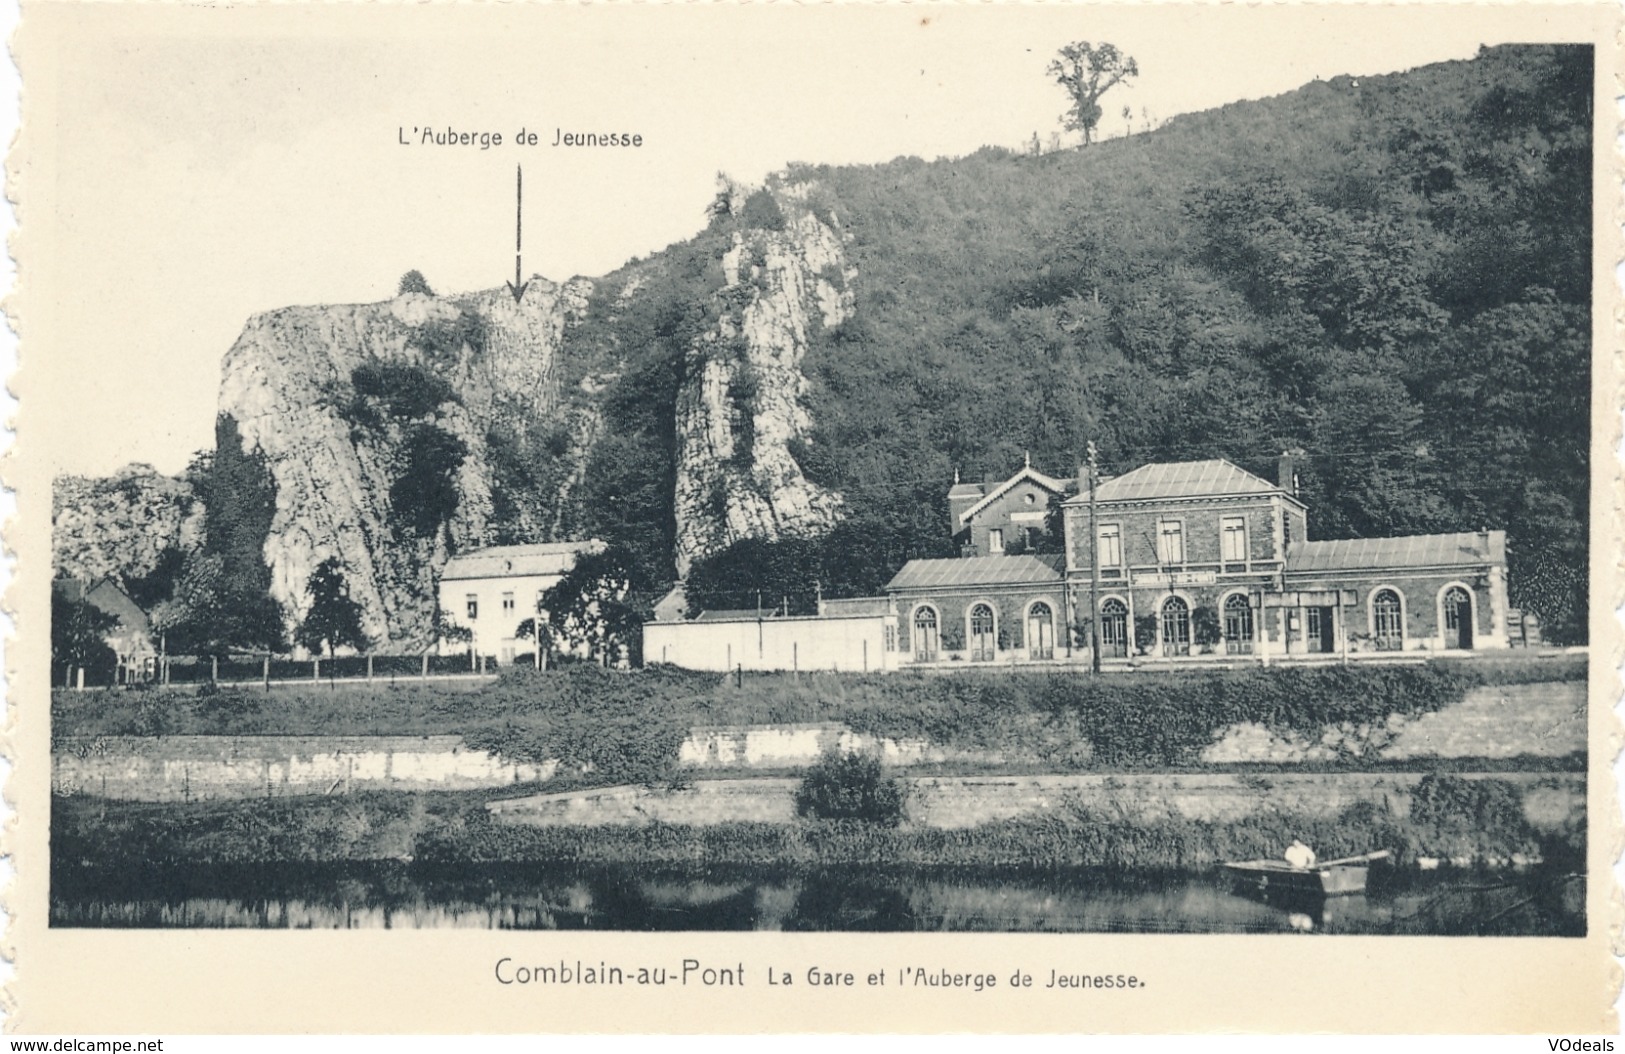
(1286, 473)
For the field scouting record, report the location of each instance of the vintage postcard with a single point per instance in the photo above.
(796, 518)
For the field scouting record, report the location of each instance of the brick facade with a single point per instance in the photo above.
(1204, 558)
(1012, 516)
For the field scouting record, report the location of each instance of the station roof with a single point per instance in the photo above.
(1215, 477)
(1466, 549)
(977, 571)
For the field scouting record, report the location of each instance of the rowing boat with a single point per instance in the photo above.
(1329, 878)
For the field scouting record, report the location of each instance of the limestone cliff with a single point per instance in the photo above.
(741, 406)
(290, 383)
(398, 433)
(120, 526)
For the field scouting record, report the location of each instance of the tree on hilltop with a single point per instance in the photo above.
(1088, 72)
(414, 282)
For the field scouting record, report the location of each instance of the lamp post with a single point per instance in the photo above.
(1094, 562)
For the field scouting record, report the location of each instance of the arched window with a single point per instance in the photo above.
(983, 643)
(925, 635)
(1114, 629)
(1176, 627)
(1040, 631)
(1387, 621)
(1458, 618)
(1238, 624)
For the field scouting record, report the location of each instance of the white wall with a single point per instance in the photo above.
(493, 630)
(851, 644)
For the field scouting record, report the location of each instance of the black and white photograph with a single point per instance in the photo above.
(1024, 484)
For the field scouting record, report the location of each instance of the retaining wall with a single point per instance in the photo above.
(1550, 800)
(199, 768)
(1535, 720)
(794, 745)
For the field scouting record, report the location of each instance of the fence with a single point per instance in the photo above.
(187, 670)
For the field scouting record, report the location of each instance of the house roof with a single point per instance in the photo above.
(1466, 549)
(977, 571)
(736, 615)
(106, 596)
(1028, 473)
(673, 605)
(510, 561)
(1181, 479)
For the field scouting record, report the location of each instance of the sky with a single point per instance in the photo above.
(188, 167)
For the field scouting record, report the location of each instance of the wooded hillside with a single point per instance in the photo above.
(1392, 273)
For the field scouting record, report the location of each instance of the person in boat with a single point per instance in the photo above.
(1300, 855)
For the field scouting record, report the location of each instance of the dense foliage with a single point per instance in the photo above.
(334, 619)
(221, 599)
(851, 787)
(423, 497)
(78, 639)
(591, 608)
(1391, 273)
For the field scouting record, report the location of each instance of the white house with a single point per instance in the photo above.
(491, 591)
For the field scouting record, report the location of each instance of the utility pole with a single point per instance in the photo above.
(1094, 561)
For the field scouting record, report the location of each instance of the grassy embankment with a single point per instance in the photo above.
(609, 727)
(626, 727)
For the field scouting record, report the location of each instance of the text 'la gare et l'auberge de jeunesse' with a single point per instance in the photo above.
(448, 135)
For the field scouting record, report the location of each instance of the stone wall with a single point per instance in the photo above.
(1537, 720)
(795, 746)
(200, 768)
(1550, 799)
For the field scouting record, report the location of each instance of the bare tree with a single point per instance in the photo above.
(1088, 72)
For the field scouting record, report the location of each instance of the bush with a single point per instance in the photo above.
(851, 787)
(414, 282)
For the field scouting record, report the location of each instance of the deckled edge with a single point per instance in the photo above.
(10, 357)
(1612, 648)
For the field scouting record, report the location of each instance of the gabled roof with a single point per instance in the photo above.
(514, 561)
(106, 596)
(1181, 479)
(673, 605)
(977, 571)
(1049, 483)
(1467, 549)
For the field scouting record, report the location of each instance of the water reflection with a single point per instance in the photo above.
(396, 896)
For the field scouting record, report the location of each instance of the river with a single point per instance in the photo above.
(535, 897)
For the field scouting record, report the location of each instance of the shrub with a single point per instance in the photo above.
(1454, 803)
(424, 495)
(761, 210)
(414, 282)
(851, 787)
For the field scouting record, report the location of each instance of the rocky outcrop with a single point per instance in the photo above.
(742, 407)
(288, 383)
(340, 402)
(120, 526)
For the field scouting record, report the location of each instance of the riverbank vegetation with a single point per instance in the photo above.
(626, 726)
(1451, 818)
